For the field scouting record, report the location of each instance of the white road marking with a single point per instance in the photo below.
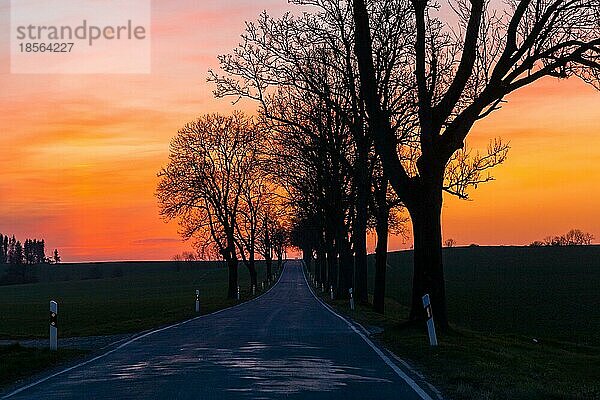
(381, 355)
(135, 339)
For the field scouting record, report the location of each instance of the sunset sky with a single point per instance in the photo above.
(80, 153)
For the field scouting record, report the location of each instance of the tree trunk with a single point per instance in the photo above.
(332, 272)
(269, 263)
(232, 266)
(268, 251)
(428, 275)
(307, 257)
(315, 261)
(359, 237)
(382, 229)
(422, 195)
(321, 262)
(346, 269)
(252, 270)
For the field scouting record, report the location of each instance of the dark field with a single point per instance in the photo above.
(19, 361)
(499, 300)
(109, 298)
(548, 293)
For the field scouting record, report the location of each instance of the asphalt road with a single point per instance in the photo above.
(283, 345)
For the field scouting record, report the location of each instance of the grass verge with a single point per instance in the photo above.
(19, 362)
(470, 365)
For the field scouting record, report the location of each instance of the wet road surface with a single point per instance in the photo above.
(283, 345)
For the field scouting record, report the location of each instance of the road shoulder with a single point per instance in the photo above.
(403, 369)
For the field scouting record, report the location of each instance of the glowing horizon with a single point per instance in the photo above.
(80, 153)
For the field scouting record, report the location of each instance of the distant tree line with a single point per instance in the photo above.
(32, 251)
(186, 256)
(575, 237)
(21, 255)
(12, 251)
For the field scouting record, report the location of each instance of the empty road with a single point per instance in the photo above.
(283, 345)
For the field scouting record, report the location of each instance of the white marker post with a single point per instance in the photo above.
(430, 324)
(253, 290)
(238, 293)
(262, 285)
(331, 292)
(53, 325)
(351, 299)
(197, 301)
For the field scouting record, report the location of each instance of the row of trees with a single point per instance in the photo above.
(20, 256)
(12, 251)
(363, 112)
(218, 184)
(575, 237)
(371, 103)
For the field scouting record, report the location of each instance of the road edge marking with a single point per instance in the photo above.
(414, 385)
(135, 339)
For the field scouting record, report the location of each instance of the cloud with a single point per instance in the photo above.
(155, 241)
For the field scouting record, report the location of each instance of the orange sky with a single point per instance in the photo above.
(79, 154)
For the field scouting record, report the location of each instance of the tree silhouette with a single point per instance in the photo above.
(280, 241)
(457, 78)
(302, 71)
(575, 237)
(34, 251)
(449, 242)
(210, 162)
(273, 214)
(3, 249)
(56, 257)
(257, 196)
(18, 256)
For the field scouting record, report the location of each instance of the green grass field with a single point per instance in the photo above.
(110, 298)
(547, 293)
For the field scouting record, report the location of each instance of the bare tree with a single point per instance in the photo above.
(449, 242)
(575, 237)
(256, 196)
(462, 75)
(302, 71)
(210, 161)
(273, 213)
